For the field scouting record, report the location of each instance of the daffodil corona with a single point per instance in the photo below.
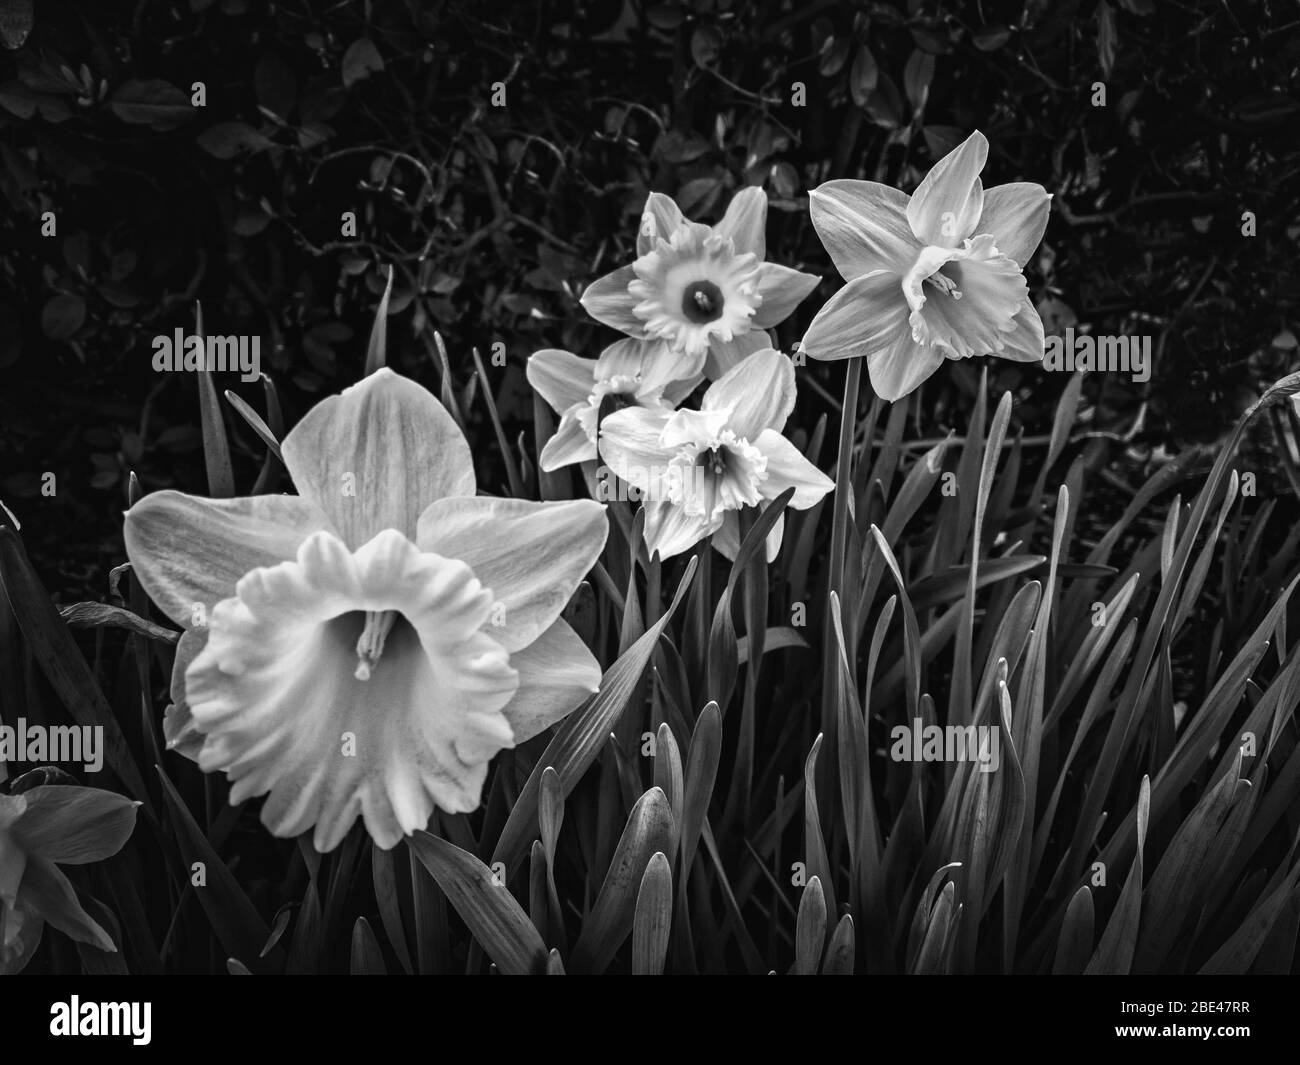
(373, 642)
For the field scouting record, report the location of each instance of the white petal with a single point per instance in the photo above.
(759, 392)
(607, 300)
(746, 221)
(725, 354)
(1025, 342)
(864, 317)
(694, 427)
(73, 825)
(727, 539)
(178, 723)
(629, 446)
(186, 550)
(659, 218)
(531, 556)
(863, 225)
(662, 366)
(786, 467)
(560, 377)
(947, 204)
(782, 290)
(556, 675)
(897, 370)
(570, 444)
(374, 456)
(1016, 215)
(675, 394)
(670, 530)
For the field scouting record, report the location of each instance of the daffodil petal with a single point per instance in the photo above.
(570, 444)
(745, 221)
(782, 289)
(675, 393)
(659, 218)
(863, 225)
(74, 825)
(187, 551)
(560, 377)
(948, 203)
(556, 675)
(608, 301)
(629, 445)
(20, 935)
(670, 530)
(623, 358)
(374, 456)
(179, 731)
(726, 354)
(530, 555)
(13, 858)
(787, 468)
(1025, 342)
(49, 893)
(727, 539)
(276, 691)
(861, 319)
(662, 366)
(759, 392)
(897, 370)
(1015, 215)
(687, 427)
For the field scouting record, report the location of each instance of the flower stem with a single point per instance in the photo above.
(839, 538)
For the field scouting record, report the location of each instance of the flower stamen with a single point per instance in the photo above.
(702, 302)
(944, 284)
(370, 645)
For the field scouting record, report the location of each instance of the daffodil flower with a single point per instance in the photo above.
(42, 828)
(696, 470)
(582, 391)
(704, 289)
(373, 642)
(932, 276)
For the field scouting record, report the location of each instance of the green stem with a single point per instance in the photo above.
(839, 537)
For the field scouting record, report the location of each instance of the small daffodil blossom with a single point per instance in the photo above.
(364, 648)
(696, 470)
(934, 275)
(706, 290)
(42, 828)
(629, 373)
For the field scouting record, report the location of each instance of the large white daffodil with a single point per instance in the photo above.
(364, 648)
(706, 290)
(934, 275)
(696, 470)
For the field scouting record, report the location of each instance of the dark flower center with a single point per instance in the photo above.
(714, 461)
(702, 302)
(610, 403)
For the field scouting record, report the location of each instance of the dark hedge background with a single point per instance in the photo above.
(494, 217)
